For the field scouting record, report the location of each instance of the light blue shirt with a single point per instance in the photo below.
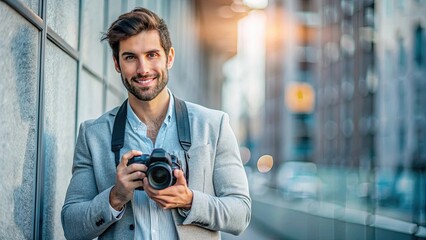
(152, 222)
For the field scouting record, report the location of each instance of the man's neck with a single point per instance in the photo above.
(152, 113)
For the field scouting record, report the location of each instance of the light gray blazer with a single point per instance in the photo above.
(221, 200)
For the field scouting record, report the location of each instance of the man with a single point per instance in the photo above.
(101, 200)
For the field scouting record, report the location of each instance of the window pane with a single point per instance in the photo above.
(18, 124)
(33, 4)
(419, 51)
(112, 75)
(93, 27)
(131, 4)
(113, 100)
(90, 97)
(62, 17)
(59, 97)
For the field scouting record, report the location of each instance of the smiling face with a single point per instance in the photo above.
(143, 65)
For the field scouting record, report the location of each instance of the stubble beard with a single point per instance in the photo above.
(144, 93)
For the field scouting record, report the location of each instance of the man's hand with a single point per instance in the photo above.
(176, 196)
(126, 180)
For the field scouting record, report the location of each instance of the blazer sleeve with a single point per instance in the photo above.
(86, 213)
(230, 209)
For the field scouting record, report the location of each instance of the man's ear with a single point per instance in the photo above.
(171, 58)
(116, 65)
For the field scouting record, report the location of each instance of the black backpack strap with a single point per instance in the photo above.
(117, 141)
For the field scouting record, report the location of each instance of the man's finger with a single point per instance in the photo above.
(128, 155)
(180, 178)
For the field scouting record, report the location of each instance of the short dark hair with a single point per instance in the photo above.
(134, 22)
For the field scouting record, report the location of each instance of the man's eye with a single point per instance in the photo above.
(152, 55)
(129, 58)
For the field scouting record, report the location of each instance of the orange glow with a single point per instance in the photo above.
(300, 97)
(280, 28)
(306, 34)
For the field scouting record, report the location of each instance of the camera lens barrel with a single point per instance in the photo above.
(160, 175)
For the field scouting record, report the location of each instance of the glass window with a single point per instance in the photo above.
(113, 77)
(401, 5)
(140, 3)
(32, 4)
(131, 4)
(18, 124)
(419, 49)
(402, 56)
(389, 8)
(59, 98)
(114, 100)
(62, 17)
(90, 97)
(151, 5)
(114, 11)
(93, 27)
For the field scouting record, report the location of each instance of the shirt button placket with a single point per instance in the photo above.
(154, 221)
(154, 234)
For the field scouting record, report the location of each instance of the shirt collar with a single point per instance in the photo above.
(135, 122)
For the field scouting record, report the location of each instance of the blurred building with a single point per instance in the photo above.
(217, 29)
(291, 65)
(366, 65)
(244, 85)
(401, 113)
(347, 85)
(346, 114)
(370, 103)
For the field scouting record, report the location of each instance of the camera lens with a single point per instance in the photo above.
(160, 175)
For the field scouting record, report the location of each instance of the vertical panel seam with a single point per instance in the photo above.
(39, 171)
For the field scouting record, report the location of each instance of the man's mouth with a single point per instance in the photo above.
(144, 81)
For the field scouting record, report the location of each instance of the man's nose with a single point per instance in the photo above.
(142, 66)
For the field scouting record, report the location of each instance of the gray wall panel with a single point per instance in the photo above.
(18, 124)
(60, 95)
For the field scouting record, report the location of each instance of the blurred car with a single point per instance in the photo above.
(299, 180)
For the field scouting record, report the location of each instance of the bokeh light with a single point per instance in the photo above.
(265, 163)
(245, 154)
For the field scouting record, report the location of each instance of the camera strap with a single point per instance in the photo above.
(117, 141)
(183, 129)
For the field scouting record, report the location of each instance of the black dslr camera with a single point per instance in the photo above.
(160, 166)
